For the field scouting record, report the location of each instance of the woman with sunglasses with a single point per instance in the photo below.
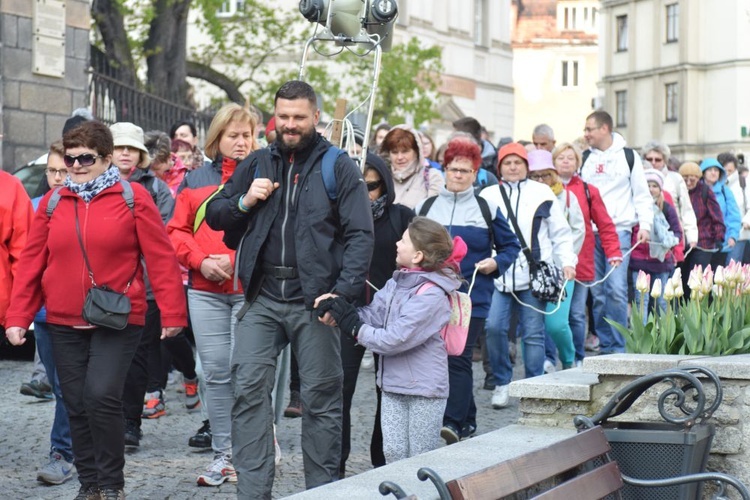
(69, 251)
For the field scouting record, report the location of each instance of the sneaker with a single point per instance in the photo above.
(112, 494)
(56, 471)
(133, 433)
(88, 491)
(368, 361)
(500, 397)
(468, 431)
(549, 366)
(202, 438)
(37, 389)
(592, 343)
(154, 406)
(449, 434)
(294, 410)
(489, 383)
(220, 470)
(192, 401)
(579, 363)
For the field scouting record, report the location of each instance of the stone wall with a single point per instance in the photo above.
(553, 400)
(34, 107)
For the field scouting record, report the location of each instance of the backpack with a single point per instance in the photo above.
(127, 195)
(455, 332)
(629, 157)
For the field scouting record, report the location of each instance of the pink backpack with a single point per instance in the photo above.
(455, 332)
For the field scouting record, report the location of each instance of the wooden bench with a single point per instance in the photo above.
(582, 466)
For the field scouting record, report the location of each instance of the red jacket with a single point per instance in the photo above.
(585, 270)
(193, 247)
(52, 270)
(16, 214)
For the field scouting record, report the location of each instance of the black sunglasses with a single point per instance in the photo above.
(84, 160)
(372, 186)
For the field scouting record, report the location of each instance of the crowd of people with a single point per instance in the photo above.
(144, 255)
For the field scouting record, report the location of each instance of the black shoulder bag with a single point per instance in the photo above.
(103, 306)
(546, 280)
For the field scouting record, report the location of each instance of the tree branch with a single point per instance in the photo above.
(207, 73)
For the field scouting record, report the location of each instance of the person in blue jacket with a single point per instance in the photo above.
(714, 176)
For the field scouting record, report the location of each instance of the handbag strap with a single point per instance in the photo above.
(86, 257)
(519, 235)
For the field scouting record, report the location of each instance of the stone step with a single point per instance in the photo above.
(449, 462)
(574, 384)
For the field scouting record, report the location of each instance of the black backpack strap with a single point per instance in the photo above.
(585, 156)
(426, 206)
(512, 218)
(127, 195)
(588, 195)
(485, 209)
(630, 157)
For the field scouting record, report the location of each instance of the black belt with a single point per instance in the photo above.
(280, 272)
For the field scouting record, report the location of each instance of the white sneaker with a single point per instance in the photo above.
(579, 363)
(368, 361)
(549, 367)
(500, 397)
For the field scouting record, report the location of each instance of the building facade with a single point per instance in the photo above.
(44, 61)
(678, 71)
(555, 65)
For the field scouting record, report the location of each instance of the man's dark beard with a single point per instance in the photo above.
(305, 139)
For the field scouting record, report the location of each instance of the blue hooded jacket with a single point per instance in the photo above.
(728, 204)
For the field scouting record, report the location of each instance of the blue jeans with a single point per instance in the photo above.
(461, 380)
(661, 302)
(737, 252)
(611, 297)
(531, 326)
(577, 319)
(60, 440)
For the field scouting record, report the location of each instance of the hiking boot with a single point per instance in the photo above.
(88, 491)
(202, 438)
(500, 397)
(220, 470)
(450, 434)
(56, 471)
(37, 389)
(294, 410)
(133, 433)
(154, 406)
(112, 494)
(192, 401)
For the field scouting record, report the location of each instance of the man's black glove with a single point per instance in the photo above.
(344, 313)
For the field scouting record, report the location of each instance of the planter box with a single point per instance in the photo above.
(659, 451)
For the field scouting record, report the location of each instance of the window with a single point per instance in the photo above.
(480, 18)
(621, 98)
(570, 73)
(230, 8)
(622, 33)
(673, 18)
(670, 111)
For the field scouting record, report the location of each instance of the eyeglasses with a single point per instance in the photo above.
(372, 186)
(84, 160)
(588, 130)
(539, 177)
(653, 159)
(53, 172)
(462, 171)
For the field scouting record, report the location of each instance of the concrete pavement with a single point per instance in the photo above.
(164, 467)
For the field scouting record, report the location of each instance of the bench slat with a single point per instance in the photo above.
(519, 473)
(597, 483)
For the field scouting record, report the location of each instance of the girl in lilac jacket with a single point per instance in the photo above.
(403, 324)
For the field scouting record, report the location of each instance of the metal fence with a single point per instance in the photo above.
(112, 101)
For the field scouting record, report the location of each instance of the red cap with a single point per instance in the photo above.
(512, 148)
(271, 126)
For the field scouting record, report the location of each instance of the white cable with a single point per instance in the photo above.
(546, 313)
(611, 270)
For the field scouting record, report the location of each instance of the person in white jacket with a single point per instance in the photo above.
(657, 153)
(618, 173)
(545, 231)
(741, 192)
